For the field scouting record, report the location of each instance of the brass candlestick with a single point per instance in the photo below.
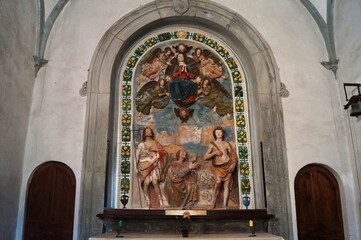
(252, 229)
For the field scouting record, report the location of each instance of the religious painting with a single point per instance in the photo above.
(182, 125)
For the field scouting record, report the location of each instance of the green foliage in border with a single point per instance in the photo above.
(125, 185)
(243, 152)
(126, 134)
(125, 167)
(244, 168)
(241, 121)
(126, 119)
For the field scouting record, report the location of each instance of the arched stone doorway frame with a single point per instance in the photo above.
(266, 118)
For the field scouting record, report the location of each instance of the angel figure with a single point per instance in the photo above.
(182, 48)
(157, 62)
(209, 65)
(152, 94)
(212, 93)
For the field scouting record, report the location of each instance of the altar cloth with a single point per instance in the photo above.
(213, 236)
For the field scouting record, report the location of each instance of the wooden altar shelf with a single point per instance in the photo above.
(211, 214)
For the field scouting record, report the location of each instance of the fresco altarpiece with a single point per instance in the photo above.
(183, 129)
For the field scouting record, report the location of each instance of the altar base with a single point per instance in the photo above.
(227, 236)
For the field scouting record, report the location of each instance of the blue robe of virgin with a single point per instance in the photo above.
(181, 86)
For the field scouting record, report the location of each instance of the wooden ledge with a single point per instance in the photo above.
(211, 214)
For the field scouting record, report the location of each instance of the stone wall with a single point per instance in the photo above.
(348, 47)
(17, 34)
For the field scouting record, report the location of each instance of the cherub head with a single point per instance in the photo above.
(182, 48)
(183, 113)
(162, 82)
(198, 79)
(198, 52)
(168, 52)
(167, 78)
(205, 83)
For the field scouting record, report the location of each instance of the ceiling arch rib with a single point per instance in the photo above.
(326, 26)
(44, 29)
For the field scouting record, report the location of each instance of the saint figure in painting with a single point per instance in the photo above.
(179, 192)
(224, 160)
(151, 160)
(181, 87)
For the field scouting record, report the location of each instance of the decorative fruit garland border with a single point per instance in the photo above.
(240, 106)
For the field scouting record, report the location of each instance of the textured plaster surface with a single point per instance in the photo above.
(348, 46)
(57, 121)
(17, 34)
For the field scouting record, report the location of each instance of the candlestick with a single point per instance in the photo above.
(252, 229)
(120, 225)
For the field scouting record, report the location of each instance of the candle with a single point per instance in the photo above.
(120, 223)
(250, 223)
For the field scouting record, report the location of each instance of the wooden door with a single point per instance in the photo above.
(318, 205)
(50, 203)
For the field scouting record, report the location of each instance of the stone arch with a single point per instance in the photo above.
(264, 85)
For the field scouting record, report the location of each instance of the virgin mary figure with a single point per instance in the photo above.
(182, 88)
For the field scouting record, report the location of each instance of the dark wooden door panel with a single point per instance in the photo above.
(318, 205)
(50, 203)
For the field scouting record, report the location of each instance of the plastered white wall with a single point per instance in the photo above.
(17, 45)
(348, 46)
(313, 129)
